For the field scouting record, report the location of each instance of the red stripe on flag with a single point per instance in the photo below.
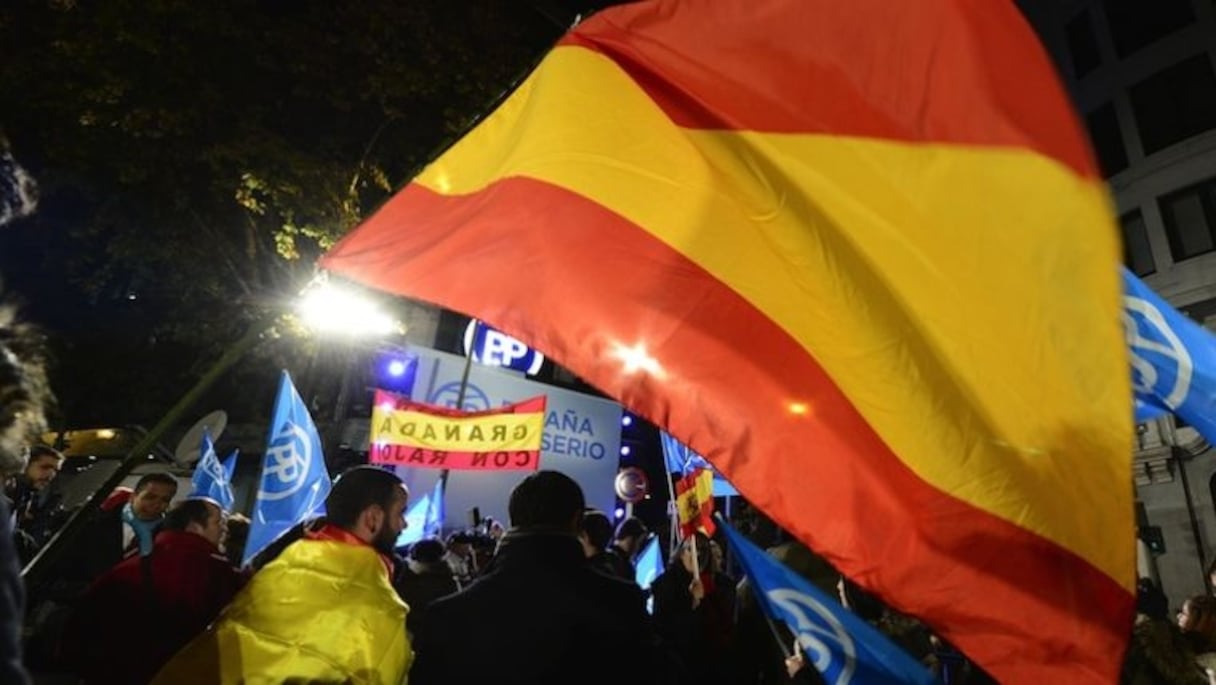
(947, 71)
(572, 279)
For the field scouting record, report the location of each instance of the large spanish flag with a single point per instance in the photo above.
(855, 253)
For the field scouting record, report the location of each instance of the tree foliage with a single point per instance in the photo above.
(194, 157)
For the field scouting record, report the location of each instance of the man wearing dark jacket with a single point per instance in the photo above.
(539, 614)
(145, 609)
(422, 579)
(125, 525)
(26, 494)
(695, 614)
(629, 538)
(595, 533)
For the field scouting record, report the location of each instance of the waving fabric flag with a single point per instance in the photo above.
(230, 464)
(211, 481)
(838, 644)
(424, 518)
(294, 479)
(415, 521)
(1173, 358)
(855, 254)
(680, 459)
(695, 502)
(647, 567)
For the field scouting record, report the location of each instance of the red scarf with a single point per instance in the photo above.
(334, 533)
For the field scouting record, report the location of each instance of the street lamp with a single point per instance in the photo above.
(329, 308)
(323, 307)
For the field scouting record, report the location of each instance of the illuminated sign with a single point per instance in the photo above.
(494, 348)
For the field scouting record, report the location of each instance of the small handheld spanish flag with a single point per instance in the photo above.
(695, 502)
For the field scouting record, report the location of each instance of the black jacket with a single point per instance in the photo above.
(94, 551)
(622, 565)
(703, 637)
(539, 614)
(419, 585)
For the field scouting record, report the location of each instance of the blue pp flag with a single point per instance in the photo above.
(211, 481)
(294, 479)
(841, 646)
(415, 522)
(424, 518)
(1173, 359)
(681, 459)
(230, 464)
(648, 566)
(433, 523)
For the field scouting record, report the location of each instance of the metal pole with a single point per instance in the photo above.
(460, 393)
(1180, 455)
(138, 454)
(671, 509)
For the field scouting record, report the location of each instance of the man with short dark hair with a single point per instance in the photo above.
(142, 611)
(422, 579)
(539, 613)
(595, 532)
(629, 538)
(125, 525)
(25, 494)
(324, 610)
(43, 465)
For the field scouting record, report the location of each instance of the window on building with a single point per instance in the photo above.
(1136, 23)
(1190, 220)
(1137, 253)
(1175, 103)
(1082, 45)
(1104, 132)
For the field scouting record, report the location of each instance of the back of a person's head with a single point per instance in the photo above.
(356, 490)
(546, 499)
(427, 551)
(185, 513)
(597, 528)
(632, 527)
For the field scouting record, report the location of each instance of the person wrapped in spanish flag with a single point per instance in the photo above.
(325, 610)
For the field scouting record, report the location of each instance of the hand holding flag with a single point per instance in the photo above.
(841, 646)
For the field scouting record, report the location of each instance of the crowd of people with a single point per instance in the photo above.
(154, 592)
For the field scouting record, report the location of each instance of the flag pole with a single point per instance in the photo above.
(673, 511)
(460, 393)
(772, 625)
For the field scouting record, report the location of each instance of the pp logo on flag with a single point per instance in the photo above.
(213, 468)
(1161, 363)
(820, 635)
(288, 460)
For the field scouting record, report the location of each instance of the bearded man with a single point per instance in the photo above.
(325, 610)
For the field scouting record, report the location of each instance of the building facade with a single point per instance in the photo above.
(1143, 76)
